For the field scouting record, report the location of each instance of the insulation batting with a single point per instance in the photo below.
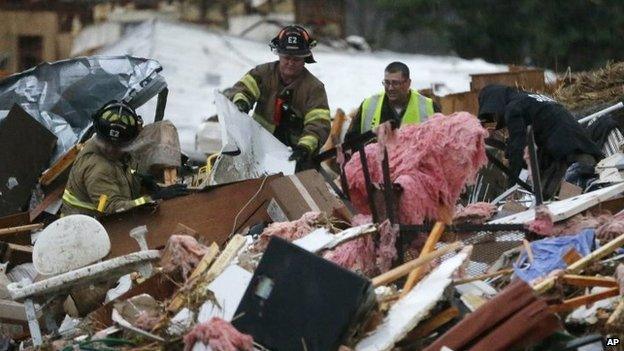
(289, 230)
(579, 222)
(432, 162)
(476, 213)
(357, 255)
(182, 252)
(146, 321)
(362, 255)
(610, 230)
(219, 335)
(543, 222)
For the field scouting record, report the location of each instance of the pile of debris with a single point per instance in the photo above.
(285, 262)
(590, 90)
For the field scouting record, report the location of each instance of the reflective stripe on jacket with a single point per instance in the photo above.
(419, 108)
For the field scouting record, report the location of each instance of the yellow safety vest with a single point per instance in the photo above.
(419, 108)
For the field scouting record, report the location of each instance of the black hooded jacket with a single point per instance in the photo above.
(557, 134)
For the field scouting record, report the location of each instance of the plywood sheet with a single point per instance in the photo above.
(25, 150)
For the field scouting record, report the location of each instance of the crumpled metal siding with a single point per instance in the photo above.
(63, 95)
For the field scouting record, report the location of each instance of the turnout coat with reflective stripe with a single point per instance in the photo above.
(94, 174)
(262, 86)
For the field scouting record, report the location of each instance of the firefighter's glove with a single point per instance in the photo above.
(242, 106)
(300, 154)
(148, 181)
(170, 192)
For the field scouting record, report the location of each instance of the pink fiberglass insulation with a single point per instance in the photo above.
(182, 252)
(610, 230)
(543, 222)
(432, 162)
(219, 335)
(362, 256)
(579, 222)
(357, 255)
(289, 230)
(476, 213)
(146, 321)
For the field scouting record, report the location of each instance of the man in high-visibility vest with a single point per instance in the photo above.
(101, 180)
(396, 103)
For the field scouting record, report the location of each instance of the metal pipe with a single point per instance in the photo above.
(601, 113)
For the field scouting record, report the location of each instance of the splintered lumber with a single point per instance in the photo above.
(573, 303)
(616, 320)
(433, 323)
(22, 228)
(170, 176)
(579, 265)
(60, 166)
(224, 259)
(432, 240)
(178, 300)
(406, 268)
(581, 280)
(406, 313)
(483, 276)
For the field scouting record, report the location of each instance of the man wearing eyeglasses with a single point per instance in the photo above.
(290, 102)
(397, 103)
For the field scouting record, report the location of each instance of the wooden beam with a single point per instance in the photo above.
(616, 320)
(433, 323)
(406, 268)
(581, 280)
(432, 240)
(60, 166)
(573, 303)
(483, 276)
(22, 228)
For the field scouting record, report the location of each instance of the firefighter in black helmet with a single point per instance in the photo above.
(290, 102)
(102, 167)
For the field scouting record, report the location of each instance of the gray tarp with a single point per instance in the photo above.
(63, 95)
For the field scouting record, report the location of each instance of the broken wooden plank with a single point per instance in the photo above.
(616, 320)
(178, 300)
(20, 229)
(581, 280)
(406, 268)
(61, 165)
(432, 240)
(573, 303)
(433, 323)
(567, 208)
(483, 276)
(405, 314)
(48, 200)
(222, 203)
(63, 282)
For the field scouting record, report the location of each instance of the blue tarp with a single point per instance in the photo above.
(548, 254)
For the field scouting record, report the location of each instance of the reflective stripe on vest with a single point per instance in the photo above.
(72, 200)
(419, 108)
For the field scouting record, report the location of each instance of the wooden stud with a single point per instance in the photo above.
(573, 303)
(22, 228)
(432, 240)
(406, 268)
(616, 320)
(433, 323)
(483, 276)
(66, 161)
(581, 280)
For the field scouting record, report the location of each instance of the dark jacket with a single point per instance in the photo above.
(557, 134)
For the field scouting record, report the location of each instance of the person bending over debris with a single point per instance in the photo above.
(290, 102)
(102, 167)
(562, 143)
(396, 103)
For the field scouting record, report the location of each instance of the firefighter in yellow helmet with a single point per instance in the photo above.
(102, 167)
(290, 102)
